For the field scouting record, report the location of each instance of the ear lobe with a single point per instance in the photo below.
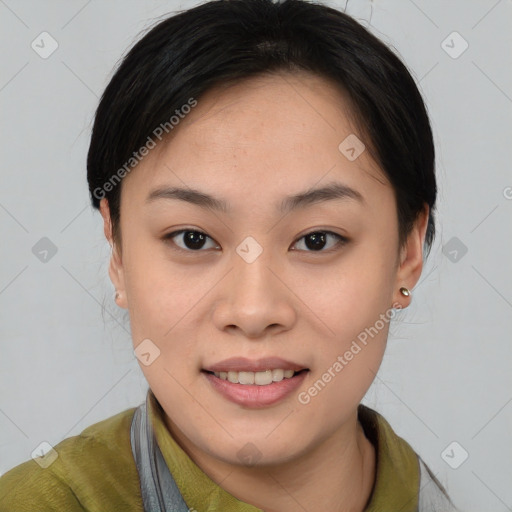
(411, 257)
(115, 268)
(115, 271)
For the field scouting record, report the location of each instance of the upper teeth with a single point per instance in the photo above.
(259, 378)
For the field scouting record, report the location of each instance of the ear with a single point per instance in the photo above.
(411, 258)
(115, 269)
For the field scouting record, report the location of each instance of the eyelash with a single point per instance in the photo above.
(340, 242)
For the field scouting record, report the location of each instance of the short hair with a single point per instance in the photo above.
(228, 41)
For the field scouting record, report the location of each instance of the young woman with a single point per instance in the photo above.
(265, 174)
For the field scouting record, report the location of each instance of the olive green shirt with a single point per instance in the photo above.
(95, 472)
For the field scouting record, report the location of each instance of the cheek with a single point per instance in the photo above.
(349, 296)
(351, 309)
(344, 367)
(159, 294)
(160, 304)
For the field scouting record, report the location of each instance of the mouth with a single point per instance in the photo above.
(255, 384)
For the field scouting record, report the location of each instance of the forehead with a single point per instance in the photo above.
(280, 130)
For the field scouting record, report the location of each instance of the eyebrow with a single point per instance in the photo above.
(328, 192)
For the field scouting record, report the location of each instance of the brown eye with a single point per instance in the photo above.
(192, 240)
(317, 241)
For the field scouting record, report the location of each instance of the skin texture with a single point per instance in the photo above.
(251, 145)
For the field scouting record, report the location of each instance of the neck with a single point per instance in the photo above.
(337, 475)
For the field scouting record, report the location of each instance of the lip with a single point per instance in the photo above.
(242, 364)
(252, 396)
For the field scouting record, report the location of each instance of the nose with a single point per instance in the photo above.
(254, 301)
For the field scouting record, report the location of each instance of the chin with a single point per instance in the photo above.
(255, 450)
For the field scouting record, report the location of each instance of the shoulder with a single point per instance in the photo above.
(95, 467)
(433, 497)
(402, 479)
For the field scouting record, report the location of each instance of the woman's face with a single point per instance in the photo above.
(272, 249)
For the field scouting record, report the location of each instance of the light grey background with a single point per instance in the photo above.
(67, 362)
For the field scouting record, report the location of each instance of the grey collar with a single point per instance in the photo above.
(159, 490)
